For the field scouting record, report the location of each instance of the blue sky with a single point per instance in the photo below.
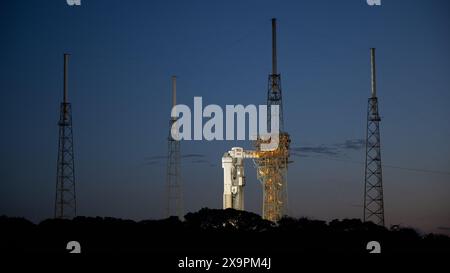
(124, 52)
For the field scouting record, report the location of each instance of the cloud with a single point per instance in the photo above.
(193, 156)
(154, 160)
(152, 163)
(334, 150)
(296, 153)
(186, 158)
(159, 157)
(352, 144)
(322, 149)
(155, 157)
(200, 161)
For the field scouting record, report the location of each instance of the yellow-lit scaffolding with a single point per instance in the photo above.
(271, 168)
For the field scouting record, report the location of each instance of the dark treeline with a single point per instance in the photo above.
(213, 231)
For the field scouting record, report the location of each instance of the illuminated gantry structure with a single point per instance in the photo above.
(271, 169)
(272, 165)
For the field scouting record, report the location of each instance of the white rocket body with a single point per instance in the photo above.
(233, 178)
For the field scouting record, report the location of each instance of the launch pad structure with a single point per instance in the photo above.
(271, 165)
(271, 170)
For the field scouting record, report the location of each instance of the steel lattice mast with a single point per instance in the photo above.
(272, 166)
(65, 201)
(173, 179)
(373, 184)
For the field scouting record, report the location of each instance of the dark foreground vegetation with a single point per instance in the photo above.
(217, 232)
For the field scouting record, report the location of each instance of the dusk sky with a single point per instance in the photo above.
(124, 53)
